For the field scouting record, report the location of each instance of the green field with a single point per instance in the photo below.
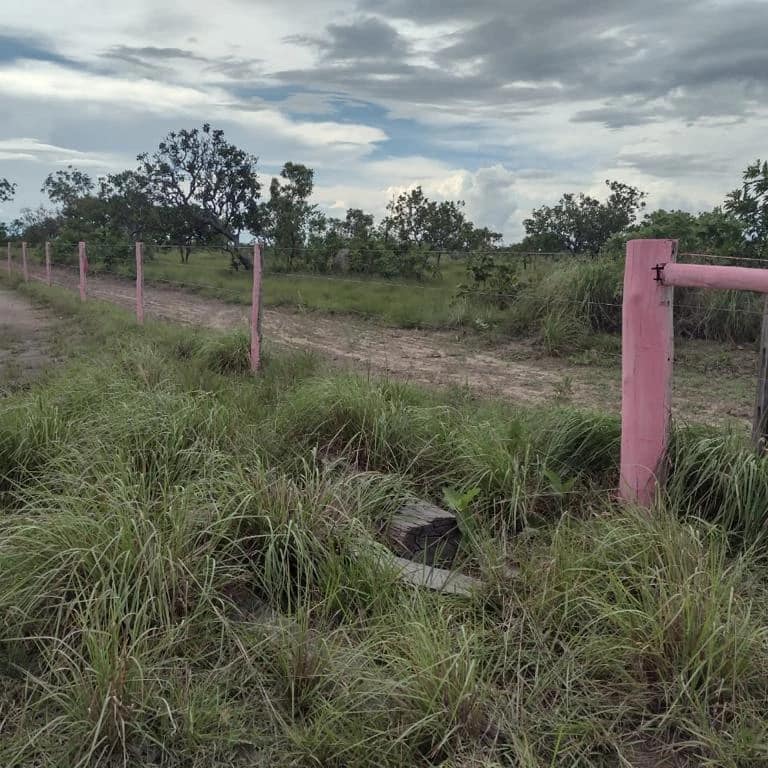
(190, 572)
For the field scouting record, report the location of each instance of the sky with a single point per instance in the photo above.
(504, 104)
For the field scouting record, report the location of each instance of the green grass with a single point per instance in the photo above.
(189, 577)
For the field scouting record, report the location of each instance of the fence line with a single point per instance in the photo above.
(83, 272)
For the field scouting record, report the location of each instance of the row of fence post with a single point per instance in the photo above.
(82, 257)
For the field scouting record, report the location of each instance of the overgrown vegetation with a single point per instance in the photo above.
(189, 573)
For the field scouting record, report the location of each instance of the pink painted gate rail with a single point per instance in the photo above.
(650, 274)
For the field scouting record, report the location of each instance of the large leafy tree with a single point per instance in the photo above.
(749, 204)
(581, 223)
(290, 216)
(415, 221)
(712, 231)
(129, 206)
(66, 187)
(209, 182)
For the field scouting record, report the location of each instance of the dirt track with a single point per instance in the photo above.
(24, 340)
(515, 371)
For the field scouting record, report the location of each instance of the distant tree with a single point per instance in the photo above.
(713, 231)
(65, 187)
(290, 216)
(357, 225)
(206, 179)
(7, 190)
(415, 221)
(36, 225)
(583, 224)
(129, 206)
(749, 205)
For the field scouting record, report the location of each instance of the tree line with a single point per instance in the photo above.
(198, 189)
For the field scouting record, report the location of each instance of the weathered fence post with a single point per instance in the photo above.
(82, 263)
(10, 266)
(140, 282)
(760, 419)
(256, 311)
(24, 264)
(48, 278)
(646, 369)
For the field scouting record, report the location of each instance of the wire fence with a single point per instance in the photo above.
(225, 272)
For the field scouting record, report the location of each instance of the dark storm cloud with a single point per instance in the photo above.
(367, 38)
(638, 61)
(670, 165)
(150, 59)
(19, 46)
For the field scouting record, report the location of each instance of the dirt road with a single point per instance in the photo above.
(515, 371)
(24, 340)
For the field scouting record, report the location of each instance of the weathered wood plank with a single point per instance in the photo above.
(437, 579)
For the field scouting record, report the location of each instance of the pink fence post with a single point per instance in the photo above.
(24, 265)
(140, 283)
(646, 369)
(10, 266)
(48, 277)
(83, 268)
(256, 311)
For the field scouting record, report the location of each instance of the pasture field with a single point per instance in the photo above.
(190, 570)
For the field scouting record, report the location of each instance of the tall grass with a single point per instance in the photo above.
(190, 575)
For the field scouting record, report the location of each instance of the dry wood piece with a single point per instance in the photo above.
(448, 582)
(424, 533)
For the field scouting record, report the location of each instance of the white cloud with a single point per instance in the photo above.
(52, 82)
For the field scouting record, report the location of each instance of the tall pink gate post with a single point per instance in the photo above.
(256, 311)
(646, 369)
(48, 278)
(83, 268)
(140, 282)
(651, 272)
(24, 264)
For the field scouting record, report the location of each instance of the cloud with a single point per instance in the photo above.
(26, 148)
(667, 164)
(44, 81)
(504, 104)
(14, 47)
(362, 39)
(499, 55)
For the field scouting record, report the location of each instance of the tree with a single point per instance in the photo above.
(357, 225)
(713, 231)
(129, 205)
(36, 225)
(583, 224)
(749, 205)
(7, 190)
(290, 216)
(65, 187)
(415, 221)
(211, 183)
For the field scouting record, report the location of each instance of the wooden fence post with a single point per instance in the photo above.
(646, 370)
(10, 266)
(24, 264)
(256, 311)
(82, 263)
(48, 278)
(760, 419)
(140, 283)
